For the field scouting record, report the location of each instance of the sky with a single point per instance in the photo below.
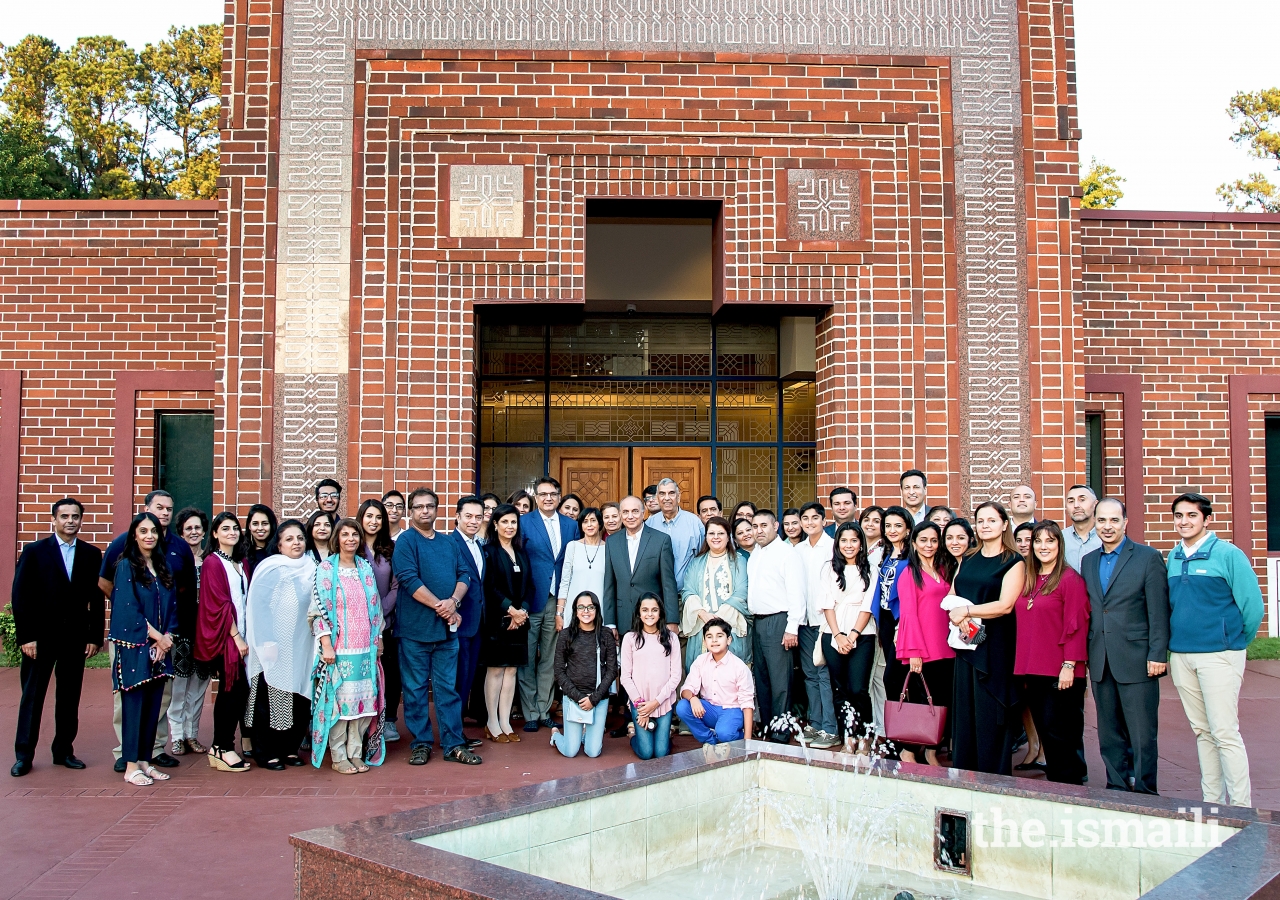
(1154, 79)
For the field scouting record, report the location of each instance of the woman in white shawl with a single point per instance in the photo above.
(715, 586)
(281, 648)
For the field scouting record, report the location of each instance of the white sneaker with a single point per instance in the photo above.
(389, 732)
(823, 741)
(810, 734)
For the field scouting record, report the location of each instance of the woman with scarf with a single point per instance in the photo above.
(191, 679)
(220, 630)
(281, 651)
(144, 616)
(346, 620)
(715, 586)
(377, 548)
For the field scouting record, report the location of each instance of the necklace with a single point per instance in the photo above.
(591, 559)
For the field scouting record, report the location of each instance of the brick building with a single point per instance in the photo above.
(766, 247)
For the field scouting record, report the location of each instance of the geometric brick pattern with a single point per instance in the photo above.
(311, 436)
(824, 205)
(486, 201)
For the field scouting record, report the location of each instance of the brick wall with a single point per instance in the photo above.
(88, 289)
(1187, 301)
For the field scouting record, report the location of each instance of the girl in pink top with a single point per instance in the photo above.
(922, 624)
(1052, 651)
(651, 674)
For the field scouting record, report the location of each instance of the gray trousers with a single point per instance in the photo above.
(772, 667)
(1128, 720)
(537, 679)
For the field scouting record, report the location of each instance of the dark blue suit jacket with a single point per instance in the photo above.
(472, 607)
(537, 543)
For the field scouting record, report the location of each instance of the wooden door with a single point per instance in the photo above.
(596, 474)
(689, 467)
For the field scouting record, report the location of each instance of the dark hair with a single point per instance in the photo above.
(791, 511)
(328, 482)
(274, 547)
(873, 508)
(735, 525)
(457, 507)
(348, 522)
(1200, 501)
(190, 512)
(315, 548)
(766, 512)
(860, 558)
(837, 491)
(1047, 526)
(591, 511)
(68, 501)
(717, 622)
(742, 504)
(393, 493)
(650, 490)
(250, 545)
(1124, 513)
(1083, 487)
(814, 505)
(138, 562)
(491, 533)
(916, 473)
(146, 501)
(574, 627)
(905, 515)
(722, 522)
(706, 497)
(423, 492)
(382, 544)
(637, 624)
(547, 479)
(490, 496)
(517, 496)
(237, 552)
(1025, 526)
(943, 561)
(963, 524)
(566, 498)
(1006, 540)
(951, 513)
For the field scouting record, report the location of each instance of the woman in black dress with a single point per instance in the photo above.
(508, 590)
(984, 715)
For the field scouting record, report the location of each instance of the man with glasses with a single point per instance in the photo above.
(685, 530)
(393, 503)
(546, 534)
(433, 580)
(328, 495)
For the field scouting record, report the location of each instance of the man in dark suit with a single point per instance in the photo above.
(638, 561)
(58, 615)
(1128, 648)
(546, 534)
(470, 516)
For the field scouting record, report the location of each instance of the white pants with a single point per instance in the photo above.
(877, 687)
(346, 739)
(1209, 685)
(186, 706)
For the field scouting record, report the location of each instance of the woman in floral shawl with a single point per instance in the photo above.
(346, 619)
(715, 586)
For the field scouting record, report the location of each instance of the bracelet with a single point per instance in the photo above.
(1068, 665)
(857, 633)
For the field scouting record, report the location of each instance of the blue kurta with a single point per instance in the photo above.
(134, 605)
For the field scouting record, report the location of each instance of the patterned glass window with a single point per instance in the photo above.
(513, 349)
(799, 476)
(631, 411)
(746, 473)
(799, 412)
(511, 412)
(510, 469)
(747, 411)
(659, 348)
(746, 350)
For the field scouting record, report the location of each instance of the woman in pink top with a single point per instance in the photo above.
(922, 624)
(651, 674)
(1052, 651)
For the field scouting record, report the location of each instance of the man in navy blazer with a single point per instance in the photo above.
(546, 534)
(58, 617)
(470, 516)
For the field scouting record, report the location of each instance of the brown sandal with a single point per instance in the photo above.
(344, 768)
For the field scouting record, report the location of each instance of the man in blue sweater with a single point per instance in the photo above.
(1216, 606)
(433, 579)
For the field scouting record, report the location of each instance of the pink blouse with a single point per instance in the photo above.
(922, 622)
(649, 673)
(1052, 627)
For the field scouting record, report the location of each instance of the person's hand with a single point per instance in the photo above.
(616, 639)
(446, 608)
(843, 644)
(1066, 678)
(642, 722)
(559, 622)
(704, 616)
(454, 621)
(160, 654)
(241, 645)
(379, 648)
(165, 643)
(917, 664)
(695, 706)
(789, 641)
(959, 614)
(326, 651)
(647, 708)
(1156, 669)
(29, 650)
(91, 650)
(586, 704)
(673, 627)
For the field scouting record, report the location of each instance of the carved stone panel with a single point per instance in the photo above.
(486, 201)
(824, 205)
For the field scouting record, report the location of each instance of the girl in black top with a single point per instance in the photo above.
(586, 665)
(983, 708)
(504, 645)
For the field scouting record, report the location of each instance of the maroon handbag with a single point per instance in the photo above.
(914, 723)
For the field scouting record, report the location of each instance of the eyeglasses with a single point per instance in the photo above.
(421, 506)
(581, 608)
(327, 495)
(548, 495)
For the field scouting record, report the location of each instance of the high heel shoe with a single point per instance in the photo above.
(498, 738)
(216, 761)
(512, 738)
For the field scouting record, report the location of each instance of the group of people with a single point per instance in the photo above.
(672, 621)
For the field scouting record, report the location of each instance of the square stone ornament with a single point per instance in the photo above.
(486, 201)
(824, 205)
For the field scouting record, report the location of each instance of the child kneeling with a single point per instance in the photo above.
(719, 695)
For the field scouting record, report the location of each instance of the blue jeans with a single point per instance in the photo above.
(817, 683)
(431, 664)
(718, 725)
(652, 744)
(576, 735)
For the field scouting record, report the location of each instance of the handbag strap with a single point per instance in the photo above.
(907, 681)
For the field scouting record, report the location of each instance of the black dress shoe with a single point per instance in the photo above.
(294, 761)
(473, 743)
(419, 756)
(20, 768)
(618, 732)
(120, 765)
(165, 761)
(70, 762)
(273, 765)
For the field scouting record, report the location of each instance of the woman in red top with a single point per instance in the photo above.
(1053, 633)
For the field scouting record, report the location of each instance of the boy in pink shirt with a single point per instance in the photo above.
(718, 697)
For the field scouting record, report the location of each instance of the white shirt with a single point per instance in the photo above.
(813, 557)
(235, 578)
(553, 531)
(1187, 550)
(633, 545)
(857, 597)
(776, 583)
(68, 554)
(474, 546)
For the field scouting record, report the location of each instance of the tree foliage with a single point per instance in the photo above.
(100, 119)
(1256, 115)
(1101, 186)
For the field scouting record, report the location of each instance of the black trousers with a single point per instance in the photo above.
(938, 675)
(34, 674)
(391, 674)
(228, 710)
(1128, 719)
(269, 743)
(895, 671)
(139, 716)
(851, 680)
(1060, 723)
(981, 740)
(772, 664)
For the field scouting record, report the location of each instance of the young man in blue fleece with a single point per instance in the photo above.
(1216, 607)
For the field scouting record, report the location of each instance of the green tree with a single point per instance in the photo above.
(181, 96)
(1101, 186)
(1256, 114)
(97, 83)
(28, 68)
(29, 167)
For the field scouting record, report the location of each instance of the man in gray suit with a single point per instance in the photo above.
(638, 561)
(1128, 647)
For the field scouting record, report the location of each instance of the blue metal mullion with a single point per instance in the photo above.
(778, 436)
(715, 401)
(546, 400)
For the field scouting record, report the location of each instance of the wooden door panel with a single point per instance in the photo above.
(596, 474)
(689, 467)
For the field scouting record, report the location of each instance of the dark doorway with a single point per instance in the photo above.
(184, 458)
